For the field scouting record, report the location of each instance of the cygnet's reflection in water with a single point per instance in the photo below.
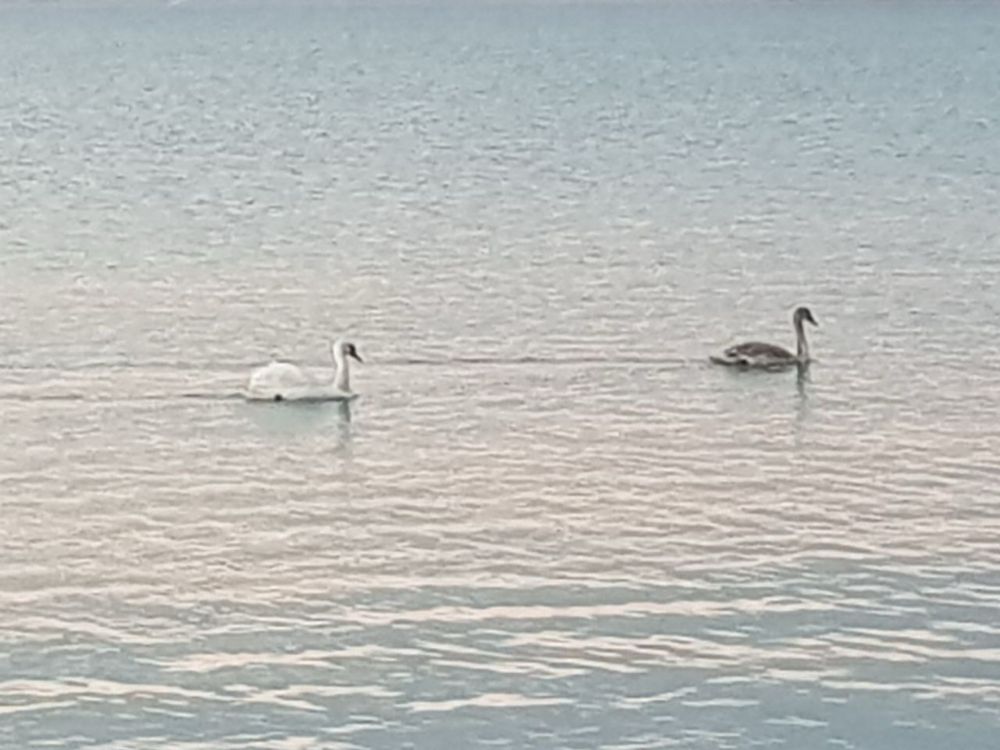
(802, 379)
(802, 405)
(301, 417)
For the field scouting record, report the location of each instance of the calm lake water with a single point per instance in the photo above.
(547, 522)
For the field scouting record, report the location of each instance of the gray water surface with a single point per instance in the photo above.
(547, 522)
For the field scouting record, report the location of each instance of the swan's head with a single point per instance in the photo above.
(346, 349)
(803, 313)
(351, 351)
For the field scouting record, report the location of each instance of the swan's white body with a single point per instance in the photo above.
(283, 381)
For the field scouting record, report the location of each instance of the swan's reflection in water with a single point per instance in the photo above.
(802, 380)
(301, 417)
(802, 402)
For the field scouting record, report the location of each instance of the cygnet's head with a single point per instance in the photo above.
(803, 313)
(347, 349)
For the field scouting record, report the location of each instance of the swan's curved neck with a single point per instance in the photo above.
(801, 345)
(342, 374)
(342, 371)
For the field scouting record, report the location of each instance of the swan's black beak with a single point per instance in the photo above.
(356, 356)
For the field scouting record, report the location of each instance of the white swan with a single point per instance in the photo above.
(754, 354)
(283, 381)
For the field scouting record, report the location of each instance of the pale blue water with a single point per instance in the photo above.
(547, 522)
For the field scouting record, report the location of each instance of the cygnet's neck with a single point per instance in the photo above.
(342, 376)
(801, 345)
